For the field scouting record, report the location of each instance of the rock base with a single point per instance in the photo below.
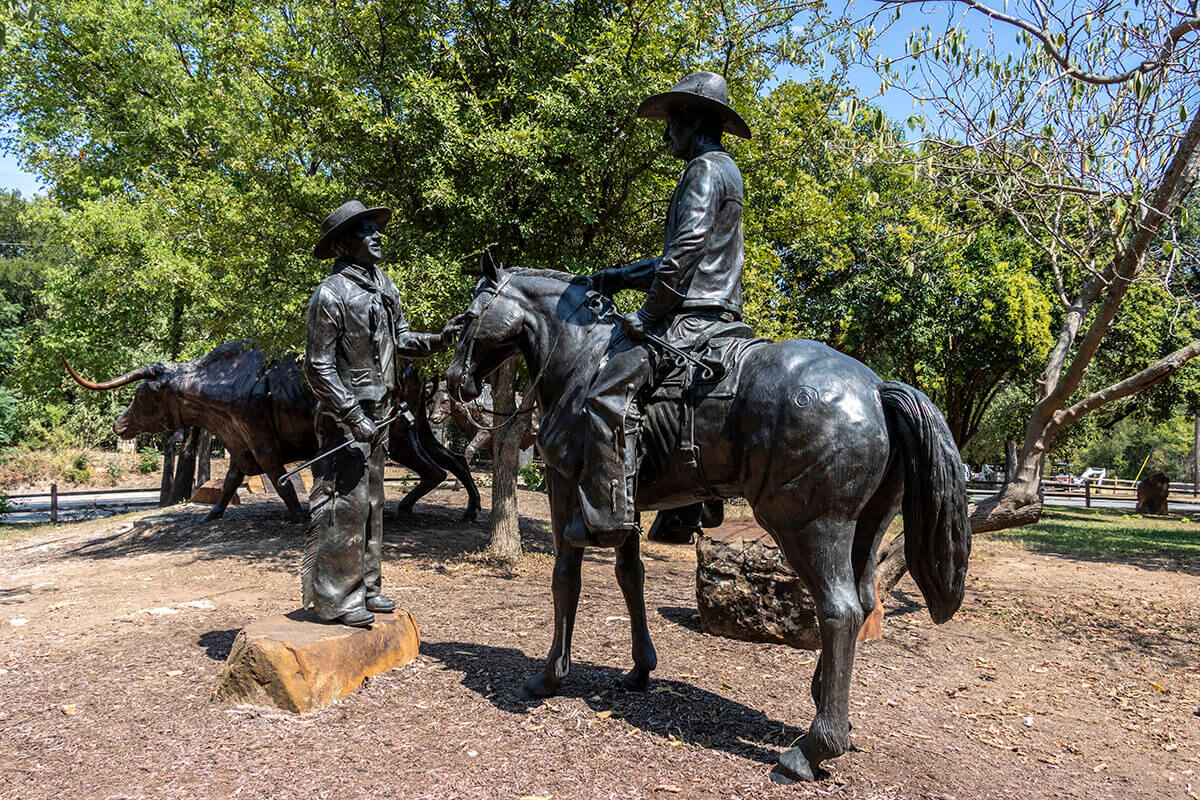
(209, 494)
(1152, 494)
(299, 663)
(745, 590)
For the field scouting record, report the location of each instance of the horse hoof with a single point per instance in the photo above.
(793, 767)
(470, 516)
(404, 511)
(636, 680)
(540, 686)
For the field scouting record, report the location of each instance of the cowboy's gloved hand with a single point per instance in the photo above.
(363, 430)
(452, 329)
(608, 281)
(634, 325)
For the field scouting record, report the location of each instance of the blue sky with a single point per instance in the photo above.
(13, 177)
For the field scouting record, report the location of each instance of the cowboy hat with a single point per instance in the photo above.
(342, 219)
(703, 90)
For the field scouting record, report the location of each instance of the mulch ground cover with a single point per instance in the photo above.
(1062, 677)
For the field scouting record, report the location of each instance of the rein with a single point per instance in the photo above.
(595, 303)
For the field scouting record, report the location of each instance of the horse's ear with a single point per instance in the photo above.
(490, 267)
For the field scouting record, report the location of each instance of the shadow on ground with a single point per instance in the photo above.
(261, 531)
(217, 644)
(668, 708)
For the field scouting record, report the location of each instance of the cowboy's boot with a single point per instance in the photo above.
(606, 513)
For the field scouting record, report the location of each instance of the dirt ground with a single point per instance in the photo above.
(1060, 678)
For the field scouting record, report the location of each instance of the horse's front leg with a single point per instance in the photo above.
(566, 584)
(631, 577)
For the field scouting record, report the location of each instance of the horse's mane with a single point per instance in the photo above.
(553, 274)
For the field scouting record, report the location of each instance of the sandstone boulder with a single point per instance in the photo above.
(1152, 494)
(299, 663)
(210, 493)
(745, 590)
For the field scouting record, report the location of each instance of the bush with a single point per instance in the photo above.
(114, 470)
(78, 472)
(148, 462)
(531, 475)
(5, 506)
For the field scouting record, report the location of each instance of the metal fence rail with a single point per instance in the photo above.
(1087, 490)
(25, 502)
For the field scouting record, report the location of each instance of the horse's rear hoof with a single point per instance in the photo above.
(540, 686)
(636, 680)
(470, 515)
(793, 767)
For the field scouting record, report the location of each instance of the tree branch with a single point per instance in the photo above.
(1151, 375)
(1165, 49)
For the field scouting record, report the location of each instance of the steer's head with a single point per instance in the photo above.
(154, 406)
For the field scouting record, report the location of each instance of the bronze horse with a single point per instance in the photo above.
(825, 452)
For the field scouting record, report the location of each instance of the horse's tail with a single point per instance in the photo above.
(937, 531)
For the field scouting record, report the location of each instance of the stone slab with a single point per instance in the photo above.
(746, 590)
(209, 494)
(299, 663)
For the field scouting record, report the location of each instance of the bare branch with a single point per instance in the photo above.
(1165, 49)
(1159, 370)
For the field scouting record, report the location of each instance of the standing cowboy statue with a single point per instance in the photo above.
(356, 333)
(695, 284)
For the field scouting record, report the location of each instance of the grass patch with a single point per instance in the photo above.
(1105, 533)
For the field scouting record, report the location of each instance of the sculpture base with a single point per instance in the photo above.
(299, 663)
(746, 590)
(209, 494)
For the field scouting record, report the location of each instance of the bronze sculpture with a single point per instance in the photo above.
(356, 331)
(694, 287)
(825, 452)
(262, 411)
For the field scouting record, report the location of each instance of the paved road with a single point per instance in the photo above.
(1102, 502)
(80, 506)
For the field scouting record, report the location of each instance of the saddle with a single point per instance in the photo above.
(721, 349)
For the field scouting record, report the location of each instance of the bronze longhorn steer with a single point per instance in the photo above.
(262, 411)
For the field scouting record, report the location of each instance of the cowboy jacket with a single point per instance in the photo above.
(356, 331)
(703, 253)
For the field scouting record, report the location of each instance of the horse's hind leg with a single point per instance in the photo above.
(565, 586)
(821, 555)
(872, 525)
(409, 453)
(631, 577)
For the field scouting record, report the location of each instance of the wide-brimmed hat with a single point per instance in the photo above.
(346, 215)
(704, 90)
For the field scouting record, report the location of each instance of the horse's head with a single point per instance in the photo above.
(495, 320)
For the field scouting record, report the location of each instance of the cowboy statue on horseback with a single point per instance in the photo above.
(694, 285)
(824, 452)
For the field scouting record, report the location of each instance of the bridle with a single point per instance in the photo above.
(601, 308)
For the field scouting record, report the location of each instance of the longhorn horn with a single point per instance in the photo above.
(141, 373)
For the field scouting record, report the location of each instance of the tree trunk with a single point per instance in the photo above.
(204, 459)
(506, 533)
(168, 470)
(1196, 458)
(185, 467)
(1010, 460)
